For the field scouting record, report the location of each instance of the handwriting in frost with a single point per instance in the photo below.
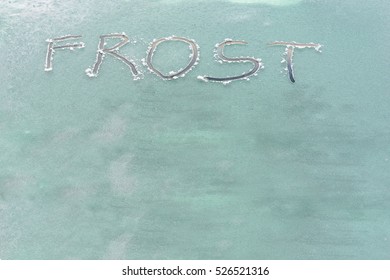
(222, 58)
(194, 57)
(51, 48)
(290, 46)
(102, 50)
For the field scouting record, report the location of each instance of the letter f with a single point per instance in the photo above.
(51, 48)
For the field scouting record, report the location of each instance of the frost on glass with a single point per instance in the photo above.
(220, 56)
(289, 53)
(51, 48)
(194, 57)
(114, 51)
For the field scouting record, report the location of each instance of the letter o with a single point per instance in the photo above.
(173, 75)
